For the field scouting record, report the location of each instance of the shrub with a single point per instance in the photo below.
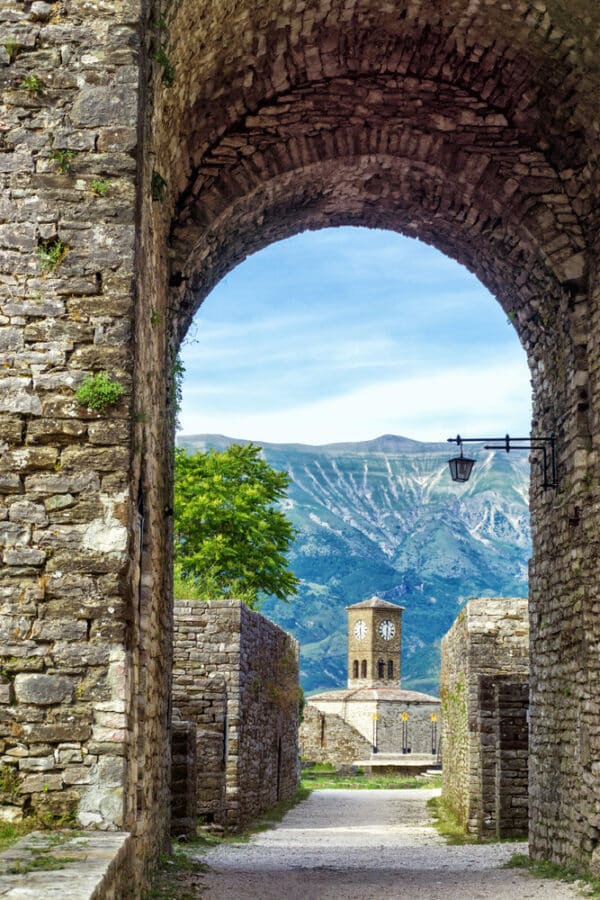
(100, 186)
(98, 392)
(63, 160)
(51, 253)
(31, 83)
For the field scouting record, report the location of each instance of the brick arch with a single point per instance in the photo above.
(465, 125)
(416, 198)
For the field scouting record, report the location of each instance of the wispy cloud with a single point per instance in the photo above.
(423, 407)
(348, 333)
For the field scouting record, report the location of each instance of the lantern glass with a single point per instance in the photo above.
(460, 468)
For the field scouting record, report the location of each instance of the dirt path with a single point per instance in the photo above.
(362, 845)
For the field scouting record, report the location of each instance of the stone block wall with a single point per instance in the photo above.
(485, 701)
(85, 619)
(225, 643)
(357, 708)
(184, 776)
(511, 702)
(327, 738)
(203, 701)
(421, 738)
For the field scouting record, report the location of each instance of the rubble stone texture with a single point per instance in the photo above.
(471, 124)
(485, 703)
(248, 746)
(184, 775)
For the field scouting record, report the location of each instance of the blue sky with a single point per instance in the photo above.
(348, 333)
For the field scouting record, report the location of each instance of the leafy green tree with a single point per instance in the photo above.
(230, 537)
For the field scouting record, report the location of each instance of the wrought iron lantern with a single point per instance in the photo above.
(460, 467)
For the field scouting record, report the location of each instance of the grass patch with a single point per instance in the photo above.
(324, 775)
(9, 833)
(546, 869)
(178, 876)
(447, 824)
(277, 812)
(39, 864)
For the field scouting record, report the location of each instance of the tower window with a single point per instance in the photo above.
(390, 669)
(363, 669)
(355, 669)
(380, 670)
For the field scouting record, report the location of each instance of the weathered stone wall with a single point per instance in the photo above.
(388, 731)
(467, 123)
(203, 701)
(457, 777)
(184, 778)
(485, 699)
(85, 640)
(419, 735)
(258, 662)
(471, 125)
(327, 738)
(512, 750)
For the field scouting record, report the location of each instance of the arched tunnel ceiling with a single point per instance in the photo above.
(469, 124)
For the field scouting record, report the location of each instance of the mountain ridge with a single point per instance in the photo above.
(383, 517)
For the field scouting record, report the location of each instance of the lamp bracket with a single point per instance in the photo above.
(538, 443)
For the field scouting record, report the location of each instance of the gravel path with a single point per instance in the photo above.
(362, 845)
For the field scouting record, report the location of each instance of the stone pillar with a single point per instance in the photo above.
(565, 671)
(85, 624)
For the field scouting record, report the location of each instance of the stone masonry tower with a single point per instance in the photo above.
(374, 643)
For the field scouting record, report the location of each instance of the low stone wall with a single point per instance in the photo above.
(391, 720)
(99, 866)
(485, 695)
(327, 738)
(235, 674)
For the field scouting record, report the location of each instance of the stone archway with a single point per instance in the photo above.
(461, 122)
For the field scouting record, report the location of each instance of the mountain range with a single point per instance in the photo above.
(383, 517)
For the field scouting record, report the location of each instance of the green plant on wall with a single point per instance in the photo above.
(168, 69)
(100, 186)
(12, 47)
(158, 186)
(99, 392)
(32, 84)
(9, 780)
(51, 253)
(63, 159)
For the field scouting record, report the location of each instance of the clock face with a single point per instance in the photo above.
(360, 630)
(387, 629)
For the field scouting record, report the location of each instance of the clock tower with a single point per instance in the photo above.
(374, 642)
